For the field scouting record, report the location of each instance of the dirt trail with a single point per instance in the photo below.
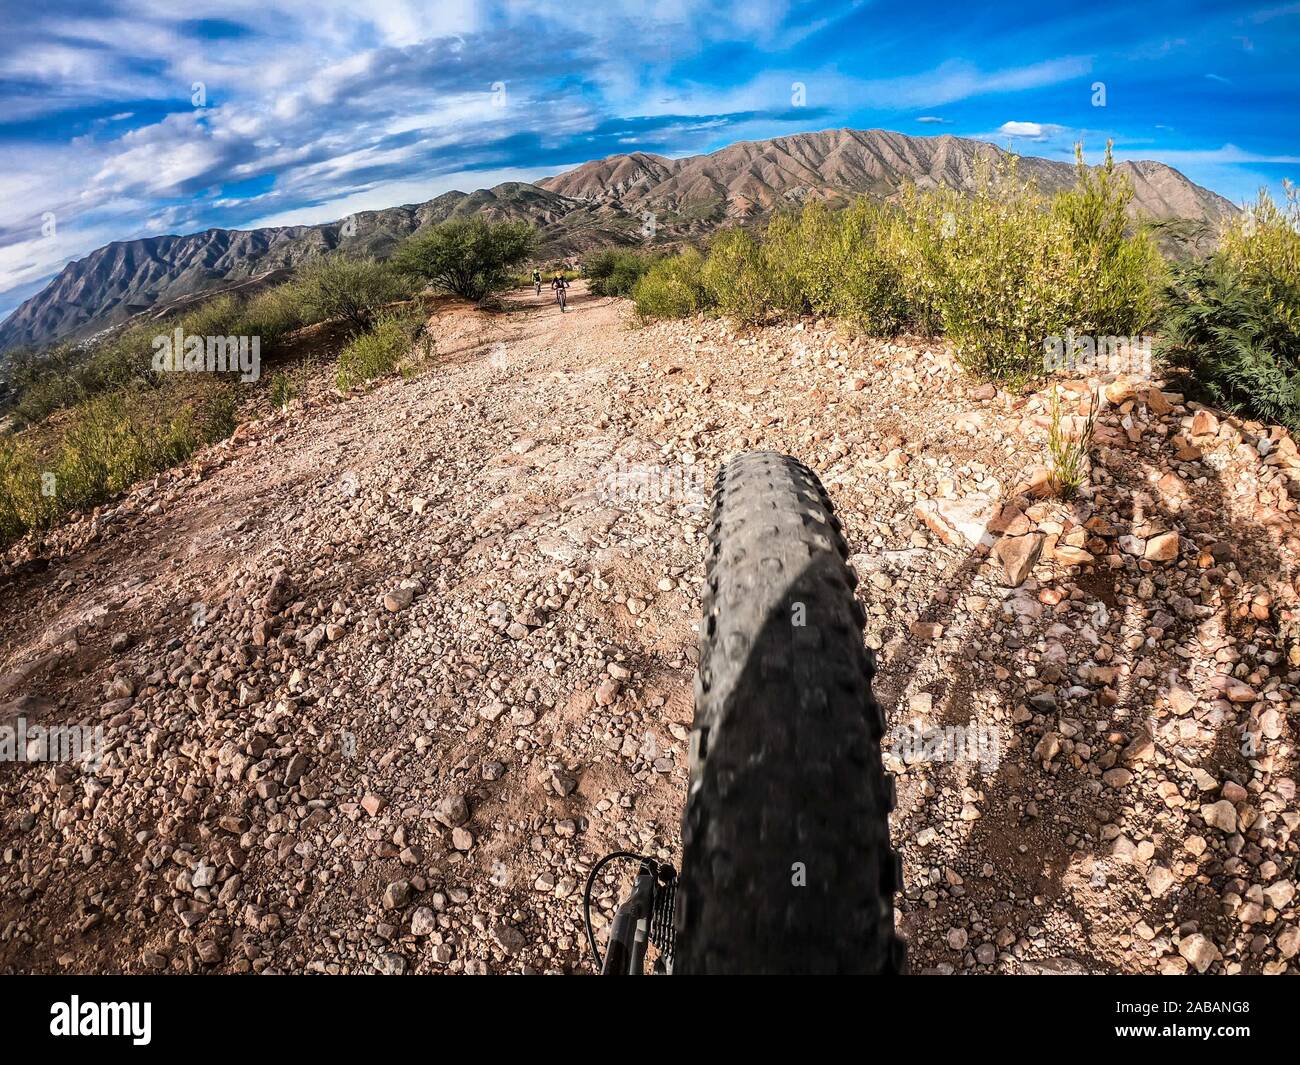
(381, 676)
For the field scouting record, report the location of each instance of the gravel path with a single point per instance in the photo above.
(382, 675)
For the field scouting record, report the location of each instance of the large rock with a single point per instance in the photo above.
(959, 522)
(1162, 548)
(1018, 555)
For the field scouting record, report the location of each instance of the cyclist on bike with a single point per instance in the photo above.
(559, 285)
(537, 281)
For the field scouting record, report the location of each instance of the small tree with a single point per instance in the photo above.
(335, 286)
(470, 257)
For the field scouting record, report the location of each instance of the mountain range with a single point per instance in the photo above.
(623, 199)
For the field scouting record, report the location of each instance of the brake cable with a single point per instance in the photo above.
(586, 898)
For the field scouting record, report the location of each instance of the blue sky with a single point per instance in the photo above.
(129, 118)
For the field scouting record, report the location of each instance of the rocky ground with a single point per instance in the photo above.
(380, 677)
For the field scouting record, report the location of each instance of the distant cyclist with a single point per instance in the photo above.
(559, 285)
(537, 282)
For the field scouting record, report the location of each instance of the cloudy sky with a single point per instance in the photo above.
(130, 118)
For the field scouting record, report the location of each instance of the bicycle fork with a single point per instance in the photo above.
(645, 917)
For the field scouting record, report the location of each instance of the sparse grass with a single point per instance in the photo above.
(377, 353)
(1068, 451)
(281, 390)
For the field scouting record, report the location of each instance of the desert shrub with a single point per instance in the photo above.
(470, 257)
(272, 314)
(735, 277)
(216, 317)
(1232, 323)
(354, 290)
(115, 439)
(985, 265)
(842, 263)
(22, 505)
(616, 272)
(65, 375)
(1004, 268)
(672, 287)
(1113, 273)
(378, 352)
(104, 445)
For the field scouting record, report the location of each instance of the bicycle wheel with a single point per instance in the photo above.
(786, 864)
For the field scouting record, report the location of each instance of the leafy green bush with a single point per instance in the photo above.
(378, 352)
(1232, 323)
(843, 263)
(355, 290)
(616, 272)
(471, 257)
(735, 276)
(1001, 270)
(672, 287)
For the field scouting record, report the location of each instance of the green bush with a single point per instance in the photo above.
(672, 288)
(736, 278)
(354, 290)
(1232, 323)
(1001, 270)
(272, 314)
(616, 272)
(217, 317)
(378, 352)
(844, 263)
(471, 257)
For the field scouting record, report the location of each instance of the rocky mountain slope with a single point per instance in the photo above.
(601, 202)
(126, 278)
(753, 177)
(383, 675)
